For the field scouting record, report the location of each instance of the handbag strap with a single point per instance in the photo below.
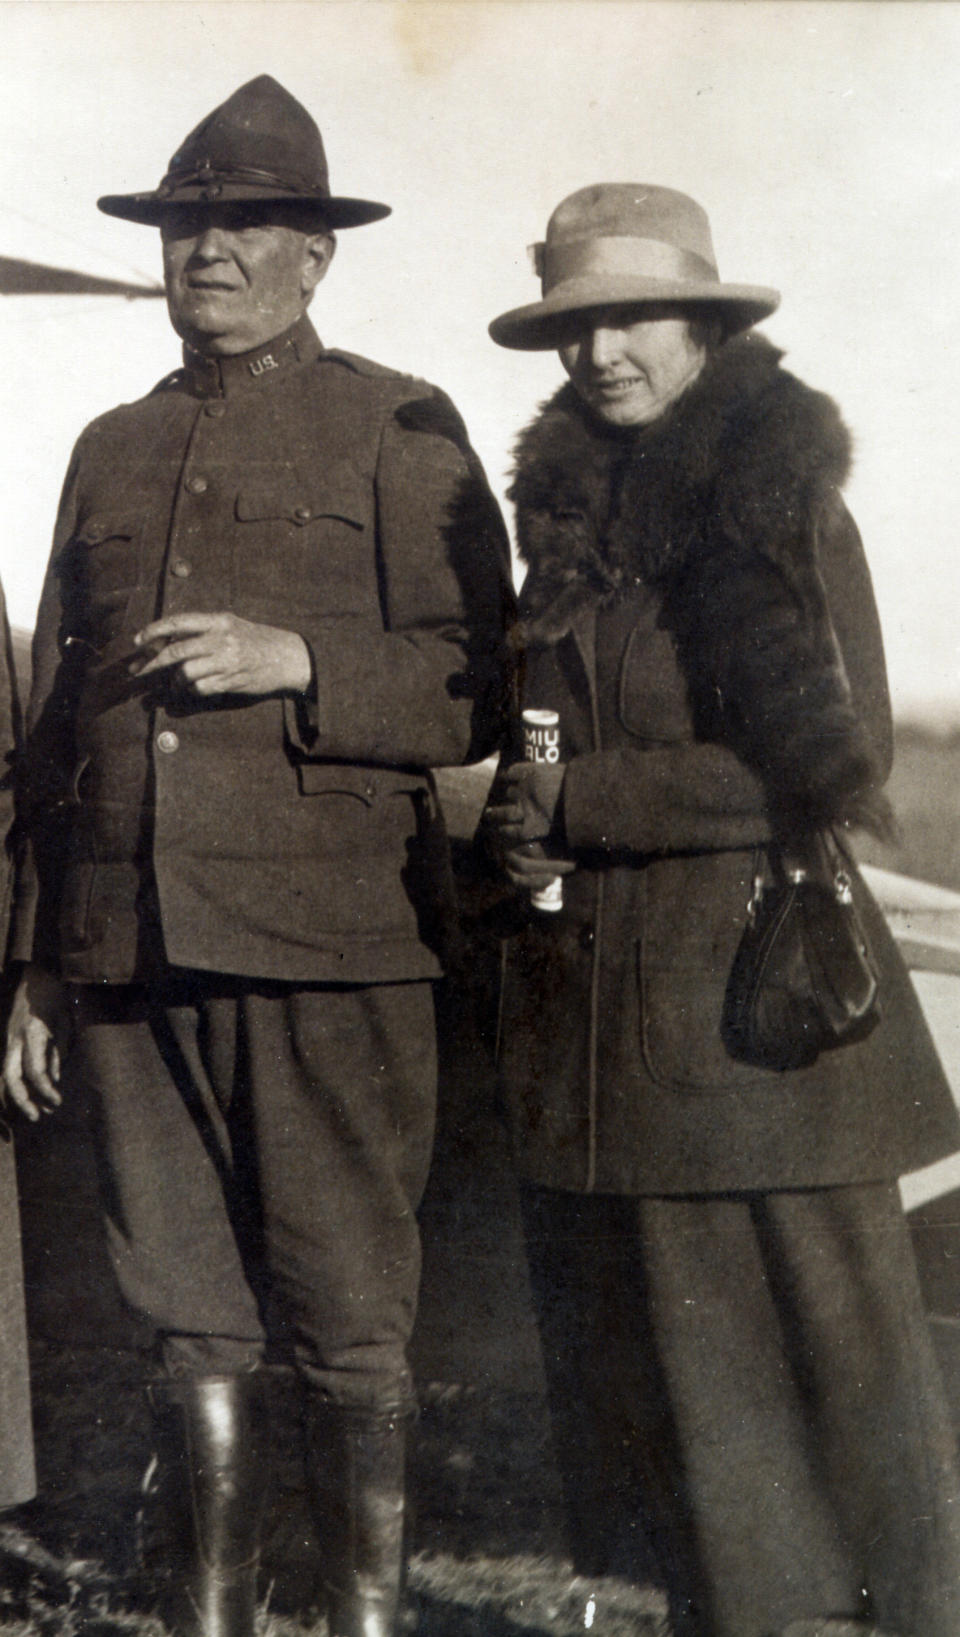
(820, 859)
(759, 875)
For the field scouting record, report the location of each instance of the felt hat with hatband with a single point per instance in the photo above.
(260, 145)
(626, 244)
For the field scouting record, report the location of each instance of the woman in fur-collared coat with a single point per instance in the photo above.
(739, 1367)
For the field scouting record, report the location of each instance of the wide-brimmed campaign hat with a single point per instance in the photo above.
(626, 243)
(261, 144)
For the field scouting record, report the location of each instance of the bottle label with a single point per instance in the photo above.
(541, 743)
(541, 736)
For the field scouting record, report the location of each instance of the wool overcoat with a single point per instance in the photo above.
(298, 840)
(698, 610)
(17, 1478)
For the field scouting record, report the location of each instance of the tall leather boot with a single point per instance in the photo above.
(203, 1501)
(356, 1468)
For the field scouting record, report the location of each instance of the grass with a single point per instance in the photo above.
(487, 1551)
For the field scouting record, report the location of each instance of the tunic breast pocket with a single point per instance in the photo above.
(102, 567)
(305, 544)
(652, 697)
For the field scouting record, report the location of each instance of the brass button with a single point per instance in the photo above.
(181, 568)
(587, 937)
(197, 485)
(302, 514)
(168, 742)
(96, 531)
(215, 409)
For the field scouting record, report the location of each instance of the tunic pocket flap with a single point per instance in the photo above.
(337, 779)
(98, 529)
(340, 493)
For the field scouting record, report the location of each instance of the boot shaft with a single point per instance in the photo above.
(356, 1471)
(206, 1489)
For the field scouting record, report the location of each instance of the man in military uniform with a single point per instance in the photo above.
(275, 601)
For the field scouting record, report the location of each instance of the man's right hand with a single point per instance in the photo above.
(36, 1039)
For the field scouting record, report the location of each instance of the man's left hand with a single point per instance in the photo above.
(222, 653)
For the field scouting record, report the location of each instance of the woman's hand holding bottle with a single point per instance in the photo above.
(524, 815)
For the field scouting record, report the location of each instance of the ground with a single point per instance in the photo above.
(489, 1558)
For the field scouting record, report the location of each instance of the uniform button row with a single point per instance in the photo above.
(197, 485)
(168, 742)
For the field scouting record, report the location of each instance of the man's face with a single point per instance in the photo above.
(630, 363)
(237, 276)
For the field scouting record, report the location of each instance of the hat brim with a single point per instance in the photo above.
(544, 325)
(149, 208)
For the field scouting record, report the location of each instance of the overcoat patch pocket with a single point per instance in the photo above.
(695, 907)
(652, 699)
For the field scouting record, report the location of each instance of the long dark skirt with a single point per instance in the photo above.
(748, 1382)
(17, 1479)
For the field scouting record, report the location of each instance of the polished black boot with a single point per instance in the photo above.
(356, 1462)
(203, 1501)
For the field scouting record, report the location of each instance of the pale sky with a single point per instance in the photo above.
(822, 138)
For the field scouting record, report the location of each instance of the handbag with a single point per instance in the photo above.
(804, 978)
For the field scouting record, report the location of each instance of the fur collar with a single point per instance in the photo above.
(744, 455)
(714, 508)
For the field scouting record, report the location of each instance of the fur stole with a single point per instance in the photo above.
(714, 506)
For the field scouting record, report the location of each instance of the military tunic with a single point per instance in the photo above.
(300, 489)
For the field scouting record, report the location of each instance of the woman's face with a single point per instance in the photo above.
(630, 363)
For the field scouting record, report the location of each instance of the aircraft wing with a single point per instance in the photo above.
(29, 278)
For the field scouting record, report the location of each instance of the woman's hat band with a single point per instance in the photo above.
(613, 256)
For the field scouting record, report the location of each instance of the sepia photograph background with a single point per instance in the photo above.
(823, 139)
